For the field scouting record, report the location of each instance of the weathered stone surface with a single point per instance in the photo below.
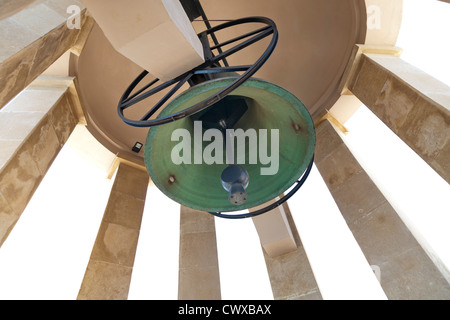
(34, 128)
(32, 40)
(368, 75)
(195, 221)
(108, 274)
(44, 145)
(427, 129)
(441, 163)
(338, 166)
(62, 119)
(406, 270)
(14, 73)
(105, 281)
(411, 103)
(328, 142)
(8, 219)
(198, 263)
(200, 279)
(130, 180)
(115, 244)
(7, 149)
(383, 234)
(124, 210)
(198, 249)
(412, 276)
(290, 274)
(394, 103)
(357, 197)
(19, 179)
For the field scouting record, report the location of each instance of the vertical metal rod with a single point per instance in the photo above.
(208, 26)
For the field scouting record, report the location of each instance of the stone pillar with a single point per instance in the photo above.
(290, 274)
(108, 273)
(199, 265)
(32, 39)
(33, 129)
(34, 126)
(274, 231)
(411, 103)
(406, 270)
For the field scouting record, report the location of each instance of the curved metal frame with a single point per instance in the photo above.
(211, 65)
(273, 205)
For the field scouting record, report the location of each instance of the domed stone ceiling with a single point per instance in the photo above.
(316, 38)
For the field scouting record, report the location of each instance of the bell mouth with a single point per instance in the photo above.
(272, 113)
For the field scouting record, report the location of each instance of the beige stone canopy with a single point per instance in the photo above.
(315, 44)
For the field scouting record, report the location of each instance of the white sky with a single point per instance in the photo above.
(425, 37)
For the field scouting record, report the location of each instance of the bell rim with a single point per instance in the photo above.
(251, 82)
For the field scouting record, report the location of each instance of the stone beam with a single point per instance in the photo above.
(290, 274)
(199, 265)
(406, 271)
(355, 58)
(155, 34)
(32, 39)
(108, 273)
(34, 127)
(411, 103)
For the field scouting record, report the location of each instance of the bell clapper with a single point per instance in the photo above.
(235, 180)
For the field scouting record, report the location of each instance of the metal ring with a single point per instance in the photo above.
(211, 65)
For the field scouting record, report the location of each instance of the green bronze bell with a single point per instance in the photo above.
(241, 152)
